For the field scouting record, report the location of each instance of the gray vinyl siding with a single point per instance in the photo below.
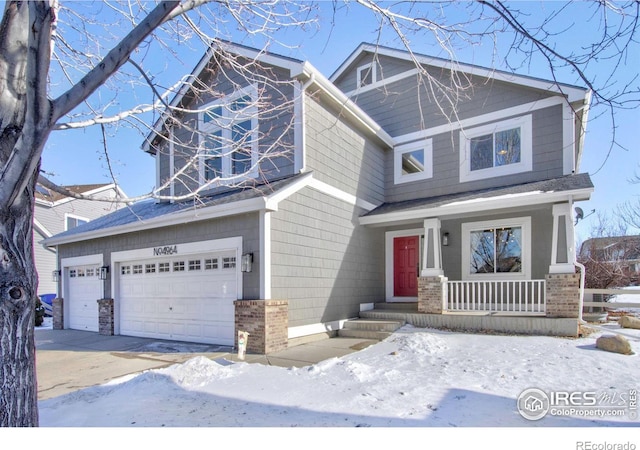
(385, 65)
(275, 118)
(339, 155)
(541, 235)
(245, 225)
(45, 265)
(52, 218)
(322, 261)
(407, 106)
(547, 162)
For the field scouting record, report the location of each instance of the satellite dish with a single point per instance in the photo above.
(579, 213)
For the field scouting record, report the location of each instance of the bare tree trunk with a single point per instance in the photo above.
(18, 289)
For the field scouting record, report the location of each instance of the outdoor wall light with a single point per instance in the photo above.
(246, 262)
(445, 239)
(55, 276)
(104, 272)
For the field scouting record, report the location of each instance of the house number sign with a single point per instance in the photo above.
(166, 250)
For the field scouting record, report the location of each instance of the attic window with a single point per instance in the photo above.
(367, 74)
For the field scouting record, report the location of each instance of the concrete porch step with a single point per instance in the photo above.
(370, 328)
(397, 306)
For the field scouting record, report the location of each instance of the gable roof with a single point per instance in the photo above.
(297, 69)
(572, 92)
(149, 214)
(49, 197)
(578, 187)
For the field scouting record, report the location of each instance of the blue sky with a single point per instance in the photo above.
(76, 157)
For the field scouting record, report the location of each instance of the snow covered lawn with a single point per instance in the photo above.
(416, 378)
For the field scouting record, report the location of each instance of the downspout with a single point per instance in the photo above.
(580, 266)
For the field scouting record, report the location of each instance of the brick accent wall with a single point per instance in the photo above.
(563, 295)
(57, 306)
(266, 321)
(105, 316)
(432, 294)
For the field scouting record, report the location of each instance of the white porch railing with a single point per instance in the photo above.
(521, 297)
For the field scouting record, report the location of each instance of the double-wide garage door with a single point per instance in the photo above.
(186, 298)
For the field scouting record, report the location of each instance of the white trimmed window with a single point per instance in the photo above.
(497, 149)
(413, 162)
(367, 74)
(72, 221)
(497, 249)
(229, 137)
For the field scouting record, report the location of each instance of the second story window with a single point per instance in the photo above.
(229, 138)
(72, 221)
(497, 149)
(413, 161)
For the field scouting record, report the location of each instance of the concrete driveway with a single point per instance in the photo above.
(69, 360)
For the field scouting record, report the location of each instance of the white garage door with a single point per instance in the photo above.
(84, 291)
(185, 299)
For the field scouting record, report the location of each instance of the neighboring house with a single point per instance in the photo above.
(55, 213)
(612, 261)
(362, 191)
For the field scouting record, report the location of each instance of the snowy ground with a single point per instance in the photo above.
(417, 381)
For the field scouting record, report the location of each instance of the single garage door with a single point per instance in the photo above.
(185, 299)
(84, 291)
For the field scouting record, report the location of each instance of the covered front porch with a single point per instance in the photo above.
(494, 258)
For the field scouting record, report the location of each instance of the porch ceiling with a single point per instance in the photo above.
(570, 187)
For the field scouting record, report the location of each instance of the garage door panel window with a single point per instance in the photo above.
(164, 267)
(178, 266)
(229, 262)
(211, 264)
(125, 270)
(195, 264)
(150, 268)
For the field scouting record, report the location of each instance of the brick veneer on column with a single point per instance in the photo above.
(266, 321)
(431, 294)
(563, 295)
(105, 316)
(57, 306)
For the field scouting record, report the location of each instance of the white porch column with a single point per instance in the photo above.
(563, 240)
(431, 255)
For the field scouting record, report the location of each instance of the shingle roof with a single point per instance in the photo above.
(48, 195)
(565, 183)
(147, 210)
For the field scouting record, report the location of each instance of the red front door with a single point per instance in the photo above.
(406, 257)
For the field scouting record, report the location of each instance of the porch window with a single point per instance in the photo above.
(413, 162)
(497, 249)
(229, 138)
(497, 149)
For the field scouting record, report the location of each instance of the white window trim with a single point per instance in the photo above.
(467, 228)
(72, 216)
(251, 112)
(526, 149)
(426, 145)
(374, 74)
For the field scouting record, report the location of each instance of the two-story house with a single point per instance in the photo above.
(55, 213)
(322, 197)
